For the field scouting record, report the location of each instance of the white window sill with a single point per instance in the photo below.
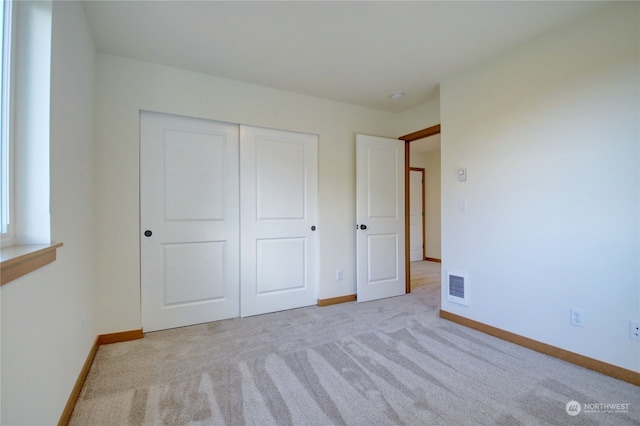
(16, 261)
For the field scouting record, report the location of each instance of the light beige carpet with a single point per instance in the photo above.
(424, 272)
(388, 362)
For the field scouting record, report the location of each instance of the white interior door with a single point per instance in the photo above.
(416, 215)
(380, 217)
(279, 219)
(189, 196)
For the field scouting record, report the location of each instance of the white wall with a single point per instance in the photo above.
(430, 162)
(433, 205)
(419, 160)
(44, 344)
(127, 86)
(550, 138)
(418, 118)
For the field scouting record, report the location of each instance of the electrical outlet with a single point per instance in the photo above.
(339, 275)
(634, 330)
(577, 317)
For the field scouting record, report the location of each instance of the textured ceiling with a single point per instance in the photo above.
(355, 52)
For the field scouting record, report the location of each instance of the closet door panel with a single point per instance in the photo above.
(279, 175)
(190, 241)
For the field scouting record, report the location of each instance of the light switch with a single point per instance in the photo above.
(462, 175)
(462, 206)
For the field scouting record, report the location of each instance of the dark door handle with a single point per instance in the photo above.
(363, 226)
(148, 233)
(313, 228)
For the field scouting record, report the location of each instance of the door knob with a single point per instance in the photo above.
(313, 228)
(148, 233)
(363, 226)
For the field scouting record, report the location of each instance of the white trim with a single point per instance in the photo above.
(6, 153)
(31, 123)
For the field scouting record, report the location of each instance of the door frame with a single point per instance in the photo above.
(420, 134)
(424, 212)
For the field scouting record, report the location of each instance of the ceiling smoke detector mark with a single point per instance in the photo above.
(396, 96)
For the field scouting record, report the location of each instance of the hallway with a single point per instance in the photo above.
(425, 272)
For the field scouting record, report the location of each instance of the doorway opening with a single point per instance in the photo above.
(417, 243)
(408, 139)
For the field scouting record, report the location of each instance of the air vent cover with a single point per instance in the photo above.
(458, 286)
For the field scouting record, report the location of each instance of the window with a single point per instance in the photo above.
(24, 133)
(5, 120)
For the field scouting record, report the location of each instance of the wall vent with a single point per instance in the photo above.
(458, 288)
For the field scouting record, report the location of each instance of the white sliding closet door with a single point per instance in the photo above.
(189, 197)
(279, 219)
(204, 201)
